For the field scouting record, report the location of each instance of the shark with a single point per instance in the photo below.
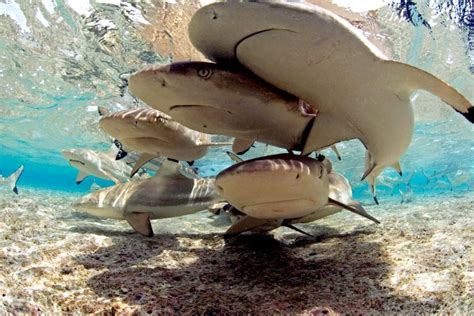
(168, 193)
(155, 134)
(98, 164)
(214, 99)
(285, 187)
(339, 190)
(12, 179)
(321, 58)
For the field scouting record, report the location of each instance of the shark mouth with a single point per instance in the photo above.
(78, 161)
(256, 33)
(190, 106)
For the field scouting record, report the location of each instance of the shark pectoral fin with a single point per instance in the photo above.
(415, 78)
(144, 158)
(291, 226)
(326, 131)
(334, 149)
(234, 157)
(140, 222)
(81, 176)
(241, 146)
(353, 209)
(245, 224)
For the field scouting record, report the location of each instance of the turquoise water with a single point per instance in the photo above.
(62, 59)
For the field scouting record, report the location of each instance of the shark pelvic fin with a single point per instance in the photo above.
(234, 157)
(241, 146)
(144, 158)
(334, 149)
(140, 222)
(354, 208)
(81, 176)
(398, 168)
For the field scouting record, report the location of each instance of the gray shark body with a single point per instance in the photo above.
(167, 194)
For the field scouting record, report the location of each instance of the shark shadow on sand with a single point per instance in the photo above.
(248, 273)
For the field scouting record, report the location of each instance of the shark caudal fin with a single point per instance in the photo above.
(355, 208)
(415, 78)
(12, 179)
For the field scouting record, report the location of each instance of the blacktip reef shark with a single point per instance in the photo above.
(339, 190)
(12, 179)
(155, 134)
(281, 187)
(99, 164)
(167, 194)
(321, 58)
(213, 99)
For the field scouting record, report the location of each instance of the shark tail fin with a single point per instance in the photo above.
(13, 179)
(420, 79)
(354, 207)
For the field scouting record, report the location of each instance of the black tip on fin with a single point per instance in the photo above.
(243, 151)
(15, 189)
(190, 163)
(401, 174)
(299, 230)
(121, 154)
(376, 200)
(173, 160)
(78, 182)
(469, 115)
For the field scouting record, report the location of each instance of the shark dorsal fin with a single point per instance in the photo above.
(169, 168)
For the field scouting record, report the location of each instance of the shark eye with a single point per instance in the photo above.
(205, 73)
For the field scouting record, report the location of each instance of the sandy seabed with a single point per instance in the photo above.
(419, 260)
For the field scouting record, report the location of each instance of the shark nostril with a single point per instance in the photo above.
(163, 83)
(214, 15)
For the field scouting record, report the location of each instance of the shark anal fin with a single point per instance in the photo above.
(144, 158)
(81, 176)
(140, 222)
(241, 146)
(353, 209)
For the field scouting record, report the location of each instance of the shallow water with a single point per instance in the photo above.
(61, 59)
